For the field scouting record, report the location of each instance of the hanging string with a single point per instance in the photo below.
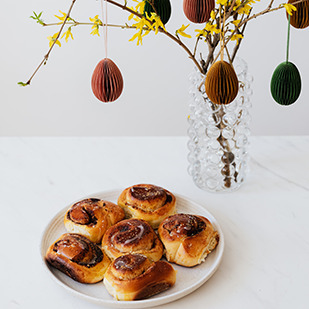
(288, 40)
(222, 33)
(221, 39)
(104, 22)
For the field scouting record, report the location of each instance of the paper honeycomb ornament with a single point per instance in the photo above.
(285, 83)
(221, 84)
(300, 18)
(107, 81)
(161, 7)
(198, 11)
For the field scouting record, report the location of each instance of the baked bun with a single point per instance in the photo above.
(92, 217)
(132, 236)
(148, 202)
(187, 239)
(78, 257)
(133, 276)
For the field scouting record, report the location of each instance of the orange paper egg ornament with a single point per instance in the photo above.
(198, 11)
(221, 84)
(300, 17)
(107, 81)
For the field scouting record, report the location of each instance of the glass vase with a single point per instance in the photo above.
(218, 134)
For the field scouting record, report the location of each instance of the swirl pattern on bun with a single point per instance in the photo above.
(132, 236)
(92, 217)
(148, 202)
(133, 277)
(78, 257)
(187, 239)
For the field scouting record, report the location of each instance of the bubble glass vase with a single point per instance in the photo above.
(219, 134)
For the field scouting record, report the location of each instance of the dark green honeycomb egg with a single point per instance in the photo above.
(161, 7)
(285, 83)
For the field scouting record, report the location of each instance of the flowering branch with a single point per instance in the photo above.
(51, 47)
(164, 31)
(211, 32)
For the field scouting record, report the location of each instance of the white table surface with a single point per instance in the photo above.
(265, 223)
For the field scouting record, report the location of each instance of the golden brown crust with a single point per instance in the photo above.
(132, 236)
(92, 217)
(148, 202)
(133, 276)
(78, 257)
(187, 239)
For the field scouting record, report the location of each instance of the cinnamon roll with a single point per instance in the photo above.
(187, 239)
(92, 217)
(78, 257)
(132, 236)
(133, 277)
(148, 202)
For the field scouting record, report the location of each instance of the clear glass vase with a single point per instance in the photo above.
(218, 134)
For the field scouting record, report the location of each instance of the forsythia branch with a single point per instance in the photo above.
(211, 32)
(51, 47)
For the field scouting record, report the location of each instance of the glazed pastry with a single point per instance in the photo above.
(92, 217)
(132, 236)
(78, 257)
(187, 239)
(133, 276)
(147, 202)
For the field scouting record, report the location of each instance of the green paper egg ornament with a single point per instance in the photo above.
(161, 7)
(285, 83)
(300, 17)
(221, 84)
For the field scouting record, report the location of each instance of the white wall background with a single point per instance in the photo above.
(154, 102)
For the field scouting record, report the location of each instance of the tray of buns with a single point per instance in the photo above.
(135, 248)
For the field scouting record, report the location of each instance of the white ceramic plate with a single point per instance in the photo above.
(188, 279)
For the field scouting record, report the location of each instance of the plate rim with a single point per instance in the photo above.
(145, 302)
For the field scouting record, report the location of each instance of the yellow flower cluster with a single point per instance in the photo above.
(144, 24)
(96, 24)
(67, 34)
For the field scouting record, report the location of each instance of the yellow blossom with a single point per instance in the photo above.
(236, 22)
(68, 34)
(181, 31)
(144, 27)
(137, 35)
(62, 18)
(139, 8)
(96, 20)
(289, 8)
(213, 14)
(244, 9)
(237, 37)
(95, 30)
(156, 22)
(222, 2)
(131, 16)
(212, 28)
(201, 32)
(53, 39)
